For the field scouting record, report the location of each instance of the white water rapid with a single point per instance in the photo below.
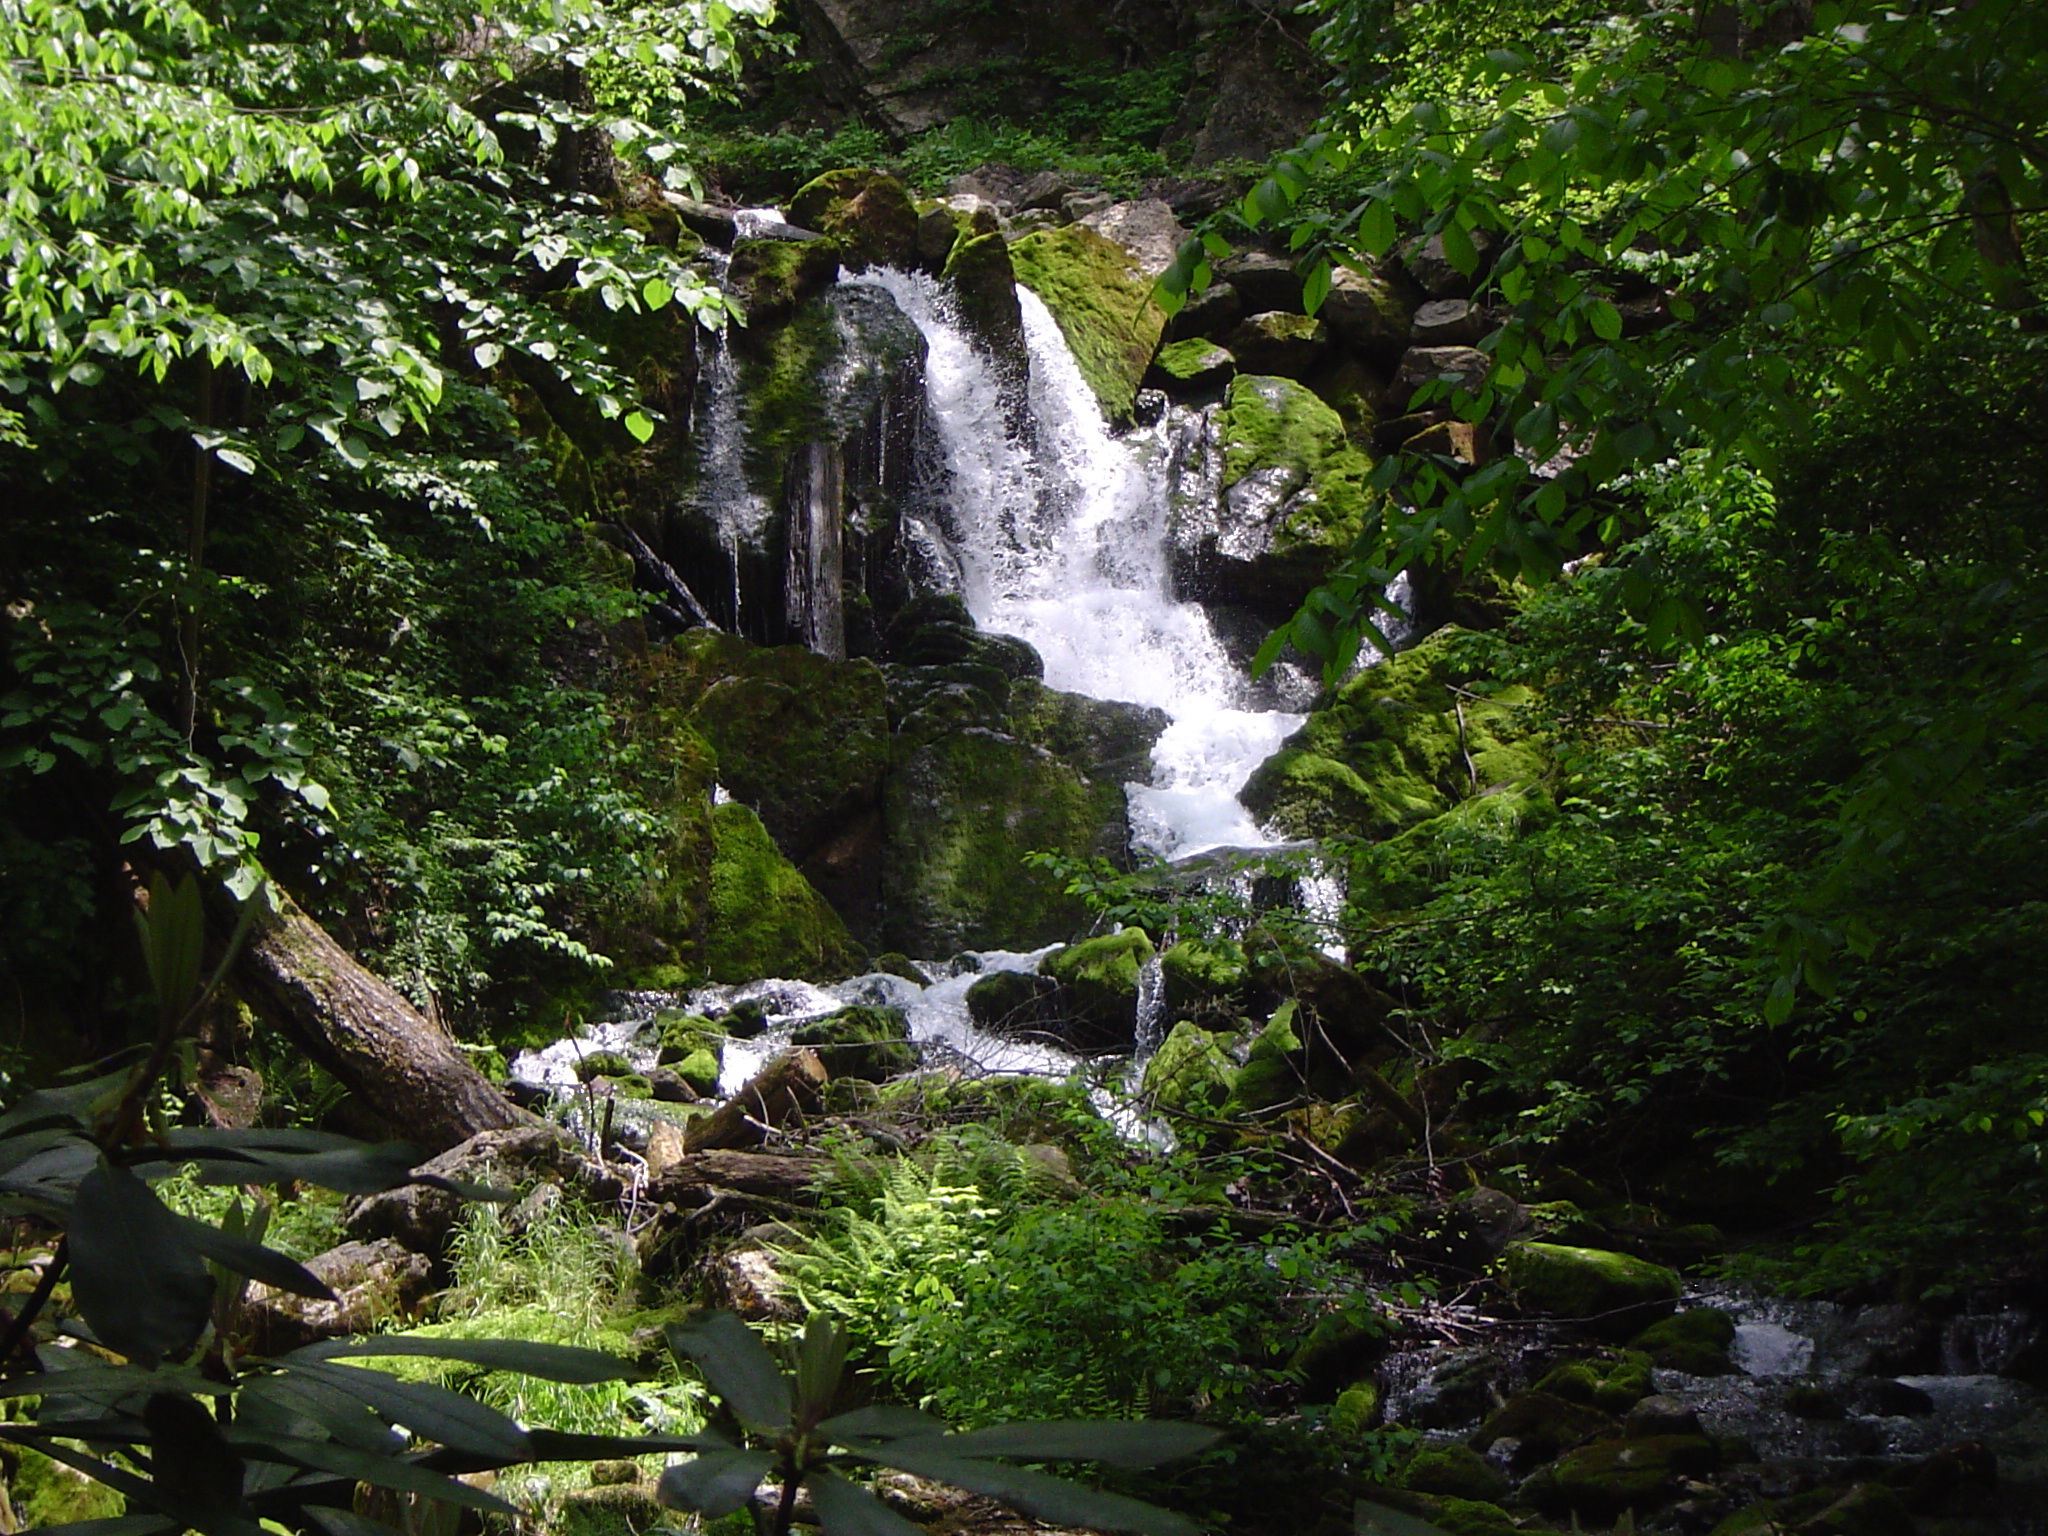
(1060, 536)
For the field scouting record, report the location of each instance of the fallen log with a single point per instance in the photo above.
(783, 1090)
(787, 1177)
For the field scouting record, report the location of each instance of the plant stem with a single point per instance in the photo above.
(17, 1330)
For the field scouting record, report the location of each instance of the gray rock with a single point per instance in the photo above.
(1264, 281)
(1465, 367)
(935, 232)
(1659, 1415)
(372, 1282)
(420, 1216)
(714, 225)
(1446, 323)
(1209, 315)
(1079, 206)
(1426, 262)
(1046, 190)
(1147, 229)
(1278, 344)
(1368, 311)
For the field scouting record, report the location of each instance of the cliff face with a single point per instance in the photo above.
(1247, 80)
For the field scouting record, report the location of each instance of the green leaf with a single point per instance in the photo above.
(367, 1467)
(173, 941)
(821, 1360)
(639, 425)
(656, 293)
(254, 1260)
(119, 1525)
(1605, 320)
(433, 1413)
(549, 1362)
(882, 1422)
(136, 1275)
(1376, 228)
(715, 1484)
(555, 1445)
(1047, 1498)
(737, 1365)
(844, 1510)
(1139, 1443)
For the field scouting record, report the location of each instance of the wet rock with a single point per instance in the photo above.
(1012, 1002)
(1192, 367)
(1453, 1471)
(1613, 1292)
(1102, 300)
(374, 1283)
(1457, 1387)
(937, 229)
(1098, 978)
(984, 284)
(1610, 1385)
(1899, 1399)
(420, 1216)
(1109, 740)
(1284, 345)
(1368, 311)
(1542, 1425)
(1807, 1401)
(764, 918)
(773, 276)
(1869, 1509)
(1191, 1072)
(671, 1087)
(867, 214)
(1476, 1228)
(1602, 1480)
(1461, 367)
(1658, 1415)
(1695, 1341)
(1896, 1338)
(869, 1043)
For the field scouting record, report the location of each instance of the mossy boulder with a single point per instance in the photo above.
(773, 276)
(1611, 1291)
(1098, 978)
(1270, 1074)
(802, 739)
(1695, 1341)
(1336, 1352)
(1367, 310)
(1475, 1517)
(1007, 1002)
(869, 1043)
(959, 814)
(984, 284)
(1611, 1385)
(1102, 301)
(1293, 498)
(1397, 747)
(1284, 345)
(764, 917)
(1190, 1073)
(1191, 367)
(1356, 1411)
(1600, 1482)
(1453, 1471)
(596, 1064)
(1542, 1424)
(1201, 976)
(1109, 740)
(867, 214)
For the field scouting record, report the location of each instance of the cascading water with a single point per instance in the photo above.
(1059, 536)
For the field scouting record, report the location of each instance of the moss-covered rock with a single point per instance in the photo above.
(1201, 976)
(1868, 1509)
(1109, 740)
(1602, 1480)
(602, 1064)
(1612, 1291)
(867, 214)
(1397, 747)
(1102, 301)
(1613, 1385)
(1099, 979)
(959, 814)
(1191, 367)
(1336, 1352)
(1453, 1471)
(1356, 1411)
(1190, 1073)
(1695, 1341)
(1367, 310)
(1009, 1002)
(764, 918)
(869, 1043)
(1475, 1517)
(984, 284)
(1270, 1074)
(773, 276)
(1280, 344)
(1542, 1424)
(802, 739)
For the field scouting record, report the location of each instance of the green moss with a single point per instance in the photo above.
(1590, 1284)
(1190, 1073)
(773, 276)
(867, 213)
(699, 1068)
(47, 1493)
(1544, 1422)
(1475, 1517)
(1398, 747)
(602, 1064)
(1100, 976)
(1270, 1074)
(1605, 1479)
(1453, 1471)
(984, 284)
(1103, 304)
(802, 739)
(1192, 364)
(1356, 1410)
(869, 1043)
(1279, 429)
(1199, 974)
(764, 918)
(1613, 1385)
(1695, 1341)
(959, 814)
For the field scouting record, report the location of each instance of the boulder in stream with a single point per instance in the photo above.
(1098, 978)
(1612, 1292)
(867, 214)
(1102, 300)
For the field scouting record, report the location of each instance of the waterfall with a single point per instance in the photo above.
(1061, 538)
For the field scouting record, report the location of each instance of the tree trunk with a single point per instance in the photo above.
(355, 1025)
